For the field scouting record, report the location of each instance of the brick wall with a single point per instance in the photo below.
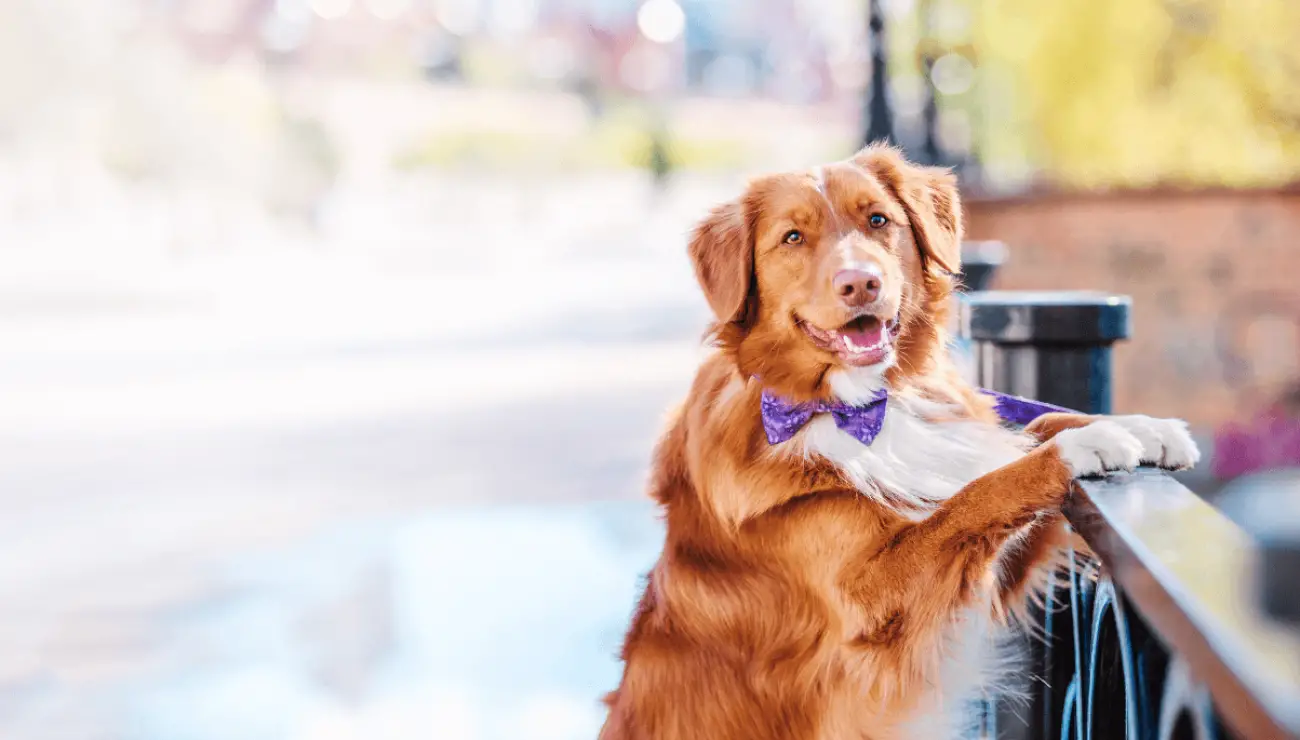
(1215, 280)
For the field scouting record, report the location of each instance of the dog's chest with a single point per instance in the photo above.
(916, 461)
(913, 460)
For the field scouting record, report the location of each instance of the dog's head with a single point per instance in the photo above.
(832, 281)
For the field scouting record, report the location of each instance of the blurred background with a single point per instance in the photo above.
(334, 334)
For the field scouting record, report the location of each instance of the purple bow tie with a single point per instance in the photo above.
(782, 419)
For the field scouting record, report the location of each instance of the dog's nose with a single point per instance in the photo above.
(857, 287)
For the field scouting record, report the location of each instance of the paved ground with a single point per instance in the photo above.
(266, 486)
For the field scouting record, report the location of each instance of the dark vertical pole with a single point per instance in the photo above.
(880, 123)
(930, 153)
(1054, 347)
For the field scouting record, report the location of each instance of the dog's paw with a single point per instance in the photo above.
(1166, 443)
(1098, 448)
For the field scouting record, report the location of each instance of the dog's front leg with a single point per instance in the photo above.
(917, 577)
(1029, 564)
(1166, 443)
(1048, 426)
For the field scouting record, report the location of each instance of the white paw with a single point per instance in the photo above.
(1166, 443)
(1098, 448)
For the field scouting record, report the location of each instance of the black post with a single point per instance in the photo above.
(880, 123)
(1053, 347)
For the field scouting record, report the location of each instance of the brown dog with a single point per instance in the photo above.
(818, 587)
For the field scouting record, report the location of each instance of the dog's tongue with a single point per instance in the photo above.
(864, 337)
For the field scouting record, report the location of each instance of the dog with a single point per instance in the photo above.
(813, 585)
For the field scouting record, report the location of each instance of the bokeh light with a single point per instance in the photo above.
(331, 9)
(662, 21)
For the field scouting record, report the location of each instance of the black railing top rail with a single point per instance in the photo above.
(1191, 573)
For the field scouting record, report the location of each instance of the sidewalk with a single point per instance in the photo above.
(179, 427)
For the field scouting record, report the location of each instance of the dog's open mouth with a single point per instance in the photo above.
(866, 340)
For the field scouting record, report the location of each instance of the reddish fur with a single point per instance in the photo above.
(785, 605)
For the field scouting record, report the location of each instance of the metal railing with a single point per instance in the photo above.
(1168, 637)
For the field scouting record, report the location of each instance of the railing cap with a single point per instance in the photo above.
(1034, 317)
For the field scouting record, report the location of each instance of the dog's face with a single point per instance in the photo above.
(837, 274)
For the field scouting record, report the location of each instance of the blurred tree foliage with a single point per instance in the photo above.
(1104, 93)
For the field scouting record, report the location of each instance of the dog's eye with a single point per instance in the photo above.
(793, 236)
(877, 220)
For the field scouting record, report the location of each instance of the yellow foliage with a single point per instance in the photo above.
(1146, 92)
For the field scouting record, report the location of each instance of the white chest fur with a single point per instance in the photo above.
(914, 460)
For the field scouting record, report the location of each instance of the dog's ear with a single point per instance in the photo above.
(929, 195)
(722, 250)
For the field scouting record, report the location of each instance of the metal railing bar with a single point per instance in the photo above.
(1188, 570)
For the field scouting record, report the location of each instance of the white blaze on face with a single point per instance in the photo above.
(819, 184)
